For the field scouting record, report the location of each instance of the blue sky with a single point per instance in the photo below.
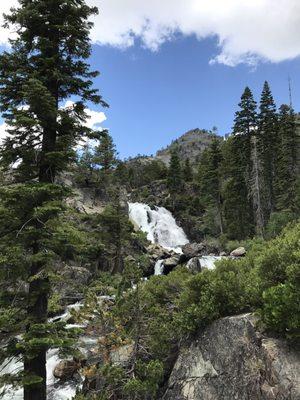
(174, 65)
(156, 96)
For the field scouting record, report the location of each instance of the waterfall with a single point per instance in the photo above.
(159, 224)
(159, 267)
(161, 228)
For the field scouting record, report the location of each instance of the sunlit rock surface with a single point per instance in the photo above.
(231, 360)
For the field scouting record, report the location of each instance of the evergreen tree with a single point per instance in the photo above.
(86, 164)
(238, 216)
(286, 168)
(257, 187)
(267, 145)
(238, 213)
(210, 180)
(187, 171)
(245, 123)
(105, 152)
(174, 180)
(115, 230)
(44, 67)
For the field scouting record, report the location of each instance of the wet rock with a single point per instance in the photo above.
(230, 359)
(157, 252)
(172, 261)
(194, 265)
(191, 250)
(66, 369)
(223, 254)
(239, 252)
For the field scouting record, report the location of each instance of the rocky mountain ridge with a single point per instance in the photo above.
(190, 146)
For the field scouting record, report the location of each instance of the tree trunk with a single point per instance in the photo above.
(37, 310)
(256, 189)
(37, 313)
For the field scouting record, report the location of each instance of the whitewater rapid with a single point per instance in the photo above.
(55, 390)
(207, 262)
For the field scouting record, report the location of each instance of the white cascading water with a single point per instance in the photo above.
(209, 261)
(159, 267)
(61, 392)
(54, 391)
(161, 228)
(159, 224)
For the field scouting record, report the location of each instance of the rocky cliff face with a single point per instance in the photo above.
(231, 360)
(190, 145)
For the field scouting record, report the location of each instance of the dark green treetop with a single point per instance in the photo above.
(105, 154)
(174, 178)
(268, 143)
(286, 165)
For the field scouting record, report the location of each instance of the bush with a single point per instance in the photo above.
(165, 309)
(277, 221)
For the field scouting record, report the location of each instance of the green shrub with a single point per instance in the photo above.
(277, 221)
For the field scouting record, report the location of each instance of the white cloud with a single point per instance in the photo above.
(95, 118)
(3, 132)
(247, 30)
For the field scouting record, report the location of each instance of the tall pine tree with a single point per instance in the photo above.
(44, 67)
(105, 152)
(267, 145)
(257, 189)
(175, 179)
(238, 212)
(210, 182)
(287, 155)
(187, 171)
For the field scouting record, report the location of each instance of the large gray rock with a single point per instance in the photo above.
(157, 252)
(231, 360)
(72, 281)
(172, 261)
(194, 265)
(191, 250)
(239, 252)
(66, 369)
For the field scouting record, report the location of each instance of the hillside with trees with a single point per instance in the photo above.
(102, 260)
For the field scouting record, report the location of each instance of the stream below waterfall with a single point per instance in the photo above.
(161, 228)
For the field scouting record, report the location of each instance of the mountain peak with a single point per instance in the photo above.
(190, 145)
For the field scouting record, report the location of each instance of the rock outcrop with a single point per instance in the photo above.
(191, 250)
(231, 360)
(194, 265)
(66, 369)
(72, 281)
(190, 145)
(239, 252)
